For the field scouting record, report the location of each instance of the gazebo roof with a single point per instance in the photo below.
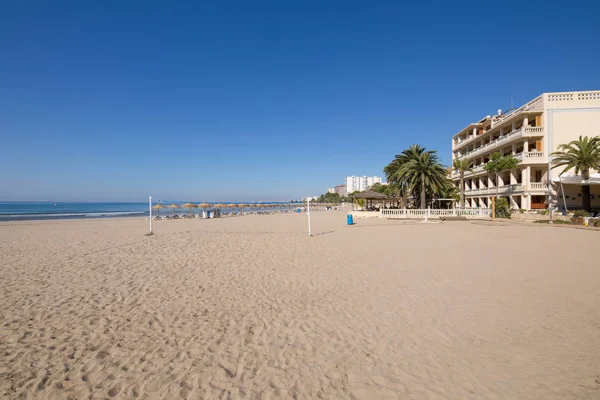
(369, 194)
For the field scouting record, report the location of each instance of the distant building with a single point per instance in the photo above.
(360, 183)
(331, 190)
(341, 190)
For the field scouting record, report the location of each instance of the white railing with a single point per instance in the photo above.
(571, 96)
(510, 188)
(588, 96)
(505, 139)
(538, 185)
(534, 129)
(501, 141)
(533, 154)
(506, 189)
(434, 214)
(560, 97)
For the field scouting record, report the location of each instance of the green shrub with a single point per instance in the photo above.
(597, 224)
(547, 221)
(522, 210)
(502, 208)
(581, 213)
(543, 212)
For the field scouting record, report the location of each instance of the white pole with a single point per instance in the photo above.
(308, 213)
(562, 189)
(150, 208)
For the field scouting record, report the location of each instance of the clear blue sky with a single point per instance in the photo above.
(246, 100)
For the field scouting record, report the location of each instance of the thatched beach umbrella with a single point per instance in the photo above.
(158, 207)
(369, 195)
(204, 205)
(190, 206)
(173, 206)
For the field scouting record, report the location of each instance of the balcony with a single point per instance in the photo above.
(531, 157)
(508, 189)
(502, 190)
(469, 139)
(530, 131)
(538, 186)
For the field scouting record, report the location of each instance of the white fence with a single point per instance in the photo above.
(405, 213)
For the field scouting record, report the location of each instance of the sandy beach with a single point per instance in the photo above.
(252, 308)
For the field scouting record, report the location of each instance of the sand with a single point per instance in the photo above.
(251, 307)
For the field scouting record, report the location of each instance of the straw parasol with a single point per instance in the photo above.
(219, 205)
(158, 207)
(190, 206)
(173, 206)
(203, 205)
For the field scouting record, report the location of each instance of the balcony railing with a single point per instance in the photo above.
(538, 185)
(460, 143)
(533, 154)
(506, 189)
(531, 157)
(505, 139)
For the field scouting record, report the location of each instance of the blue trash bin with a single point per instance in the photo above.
(349, 219)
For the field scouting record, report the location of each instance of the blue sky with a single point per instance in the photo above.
(240, 100)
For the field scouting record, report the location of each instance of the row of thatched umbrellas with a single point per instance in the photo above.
(235, 205)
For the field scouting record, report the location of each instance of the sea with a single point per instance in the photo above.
(25, 211)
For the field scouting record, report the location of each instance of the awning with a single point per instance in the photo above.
(570, 179)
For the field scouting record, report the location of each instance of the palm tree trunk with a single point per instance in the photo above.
(423, 193)
(585, 192)
(462, 190)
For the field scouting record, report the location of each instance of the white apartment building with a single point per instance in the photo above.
(360, 183)
(530, 133)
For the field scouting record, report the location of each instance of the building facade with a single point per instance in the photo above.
(341, 190)
(530, 133)
(360, 183)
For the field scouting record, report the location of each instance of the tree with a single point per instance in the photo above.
(499, 163)
(580, 155)
(502, 209)
(417, 168)
(328, 198)
(462, 166)
(378, 187)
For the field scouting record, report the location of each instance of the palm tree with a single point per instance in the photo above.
(580, 155)
(415, 168)
(462, 166)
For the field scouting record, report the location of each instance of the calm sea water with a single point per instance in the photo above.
(15, 211)
(11, 211)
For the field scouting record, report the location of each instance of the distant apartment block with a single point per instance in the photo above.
(530, 133)
(360, 183)
(331, 190)
(341, 190)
